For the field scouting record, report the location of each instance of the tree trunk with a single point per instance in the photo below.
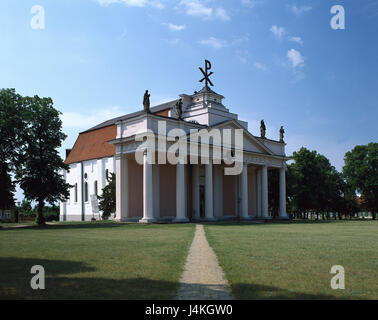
(40, 219)
(374, 217)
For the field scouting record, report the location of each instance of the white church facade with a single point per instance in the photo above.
(158, 191)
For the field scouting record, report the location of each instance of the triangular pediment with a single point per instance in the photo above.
(250, 142)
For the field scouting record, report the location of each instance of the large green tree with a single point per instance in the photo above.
(314, 185)
(11, 109)
(361, 173)
(39, 164)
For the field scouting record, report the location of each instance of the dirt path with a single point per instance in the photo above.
(203, 278)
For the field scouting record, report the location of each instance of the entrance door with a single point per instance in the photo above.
(202, 201)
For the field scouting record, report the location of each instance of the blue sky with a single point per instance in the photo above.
(274, 60)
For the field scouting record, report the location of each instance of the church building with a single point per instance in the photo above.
(187, 191)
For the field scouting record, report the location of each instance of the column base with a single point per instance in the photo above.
(148, 220)
(286, 217)
(184, 220)
(209, 219)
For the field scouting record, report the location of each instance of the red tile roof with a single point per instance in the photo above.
(93, 145)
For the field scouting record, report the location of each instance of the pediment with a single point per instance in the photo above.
(250, 142)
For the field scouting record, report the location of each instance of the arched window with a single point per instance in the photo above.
(95, 188)
(75, 192)
(86, 192)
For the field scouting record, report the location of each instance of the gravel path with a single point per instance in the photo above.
(203, 278)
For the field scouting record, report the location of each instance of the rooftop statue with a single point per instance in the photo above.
(263, 129)
(179, 109)
(146, 102)
(282, 132)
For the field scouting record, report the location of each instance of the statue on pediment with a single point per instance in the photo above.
(263, 129)
(179, 109)
(282, 132)
(146, 102)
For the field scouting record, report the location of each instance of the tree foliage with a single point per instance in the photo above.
(11, 109)
(39, 164)
(361, 174)
(314, 185)
(107, 202)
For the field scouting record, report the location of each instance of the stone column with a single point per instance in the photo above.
(283, 213)
(218, 192)
(209, 211)
(264, 192)
(148, 206)
(244, 192)
(122, 192)
(258, 192)
(196, 192)
(156, 190)
(180, 194)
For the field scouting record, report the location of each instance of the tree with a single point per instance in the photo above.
(314, 185)
(11, 109)
(25, 207)
(107, 203)
(39, 164)
(361, 173)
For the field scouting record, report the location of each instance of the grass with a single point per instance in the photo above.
(293, 260)
(94, 260)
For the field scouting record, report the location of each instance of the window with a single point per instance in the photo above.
(86, 192)
(95, 188)
(106, 174)
(7, 214)
(75, 192)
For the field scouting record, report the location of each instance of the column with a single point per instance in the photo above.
(244, 192)
(148, 209)
(122, 192)
(180, 194)
(196, 192)
(283, 213)
(258, 192)
(218, 191)
(264, 192)
(209, 211)
(156, 189)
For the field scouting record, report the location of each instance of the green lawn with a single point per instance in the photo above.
(94, 260)
(293, 260)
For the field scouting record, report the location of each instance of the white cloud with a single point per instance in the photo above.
(296, 58)
(279, 32)
(300, 10)
(296, 39)
(222, 14)
(174, 27)
(199, 9)
(214, 43)
(249, 3)
(260, 66)
(134, 3)
(85, 121)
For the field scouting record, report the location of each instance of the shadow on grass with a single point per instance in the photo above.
(273, 222)
(62, 283)
(79, 225)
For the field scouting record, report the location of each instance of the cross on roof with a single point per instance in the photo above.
(206, 74)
